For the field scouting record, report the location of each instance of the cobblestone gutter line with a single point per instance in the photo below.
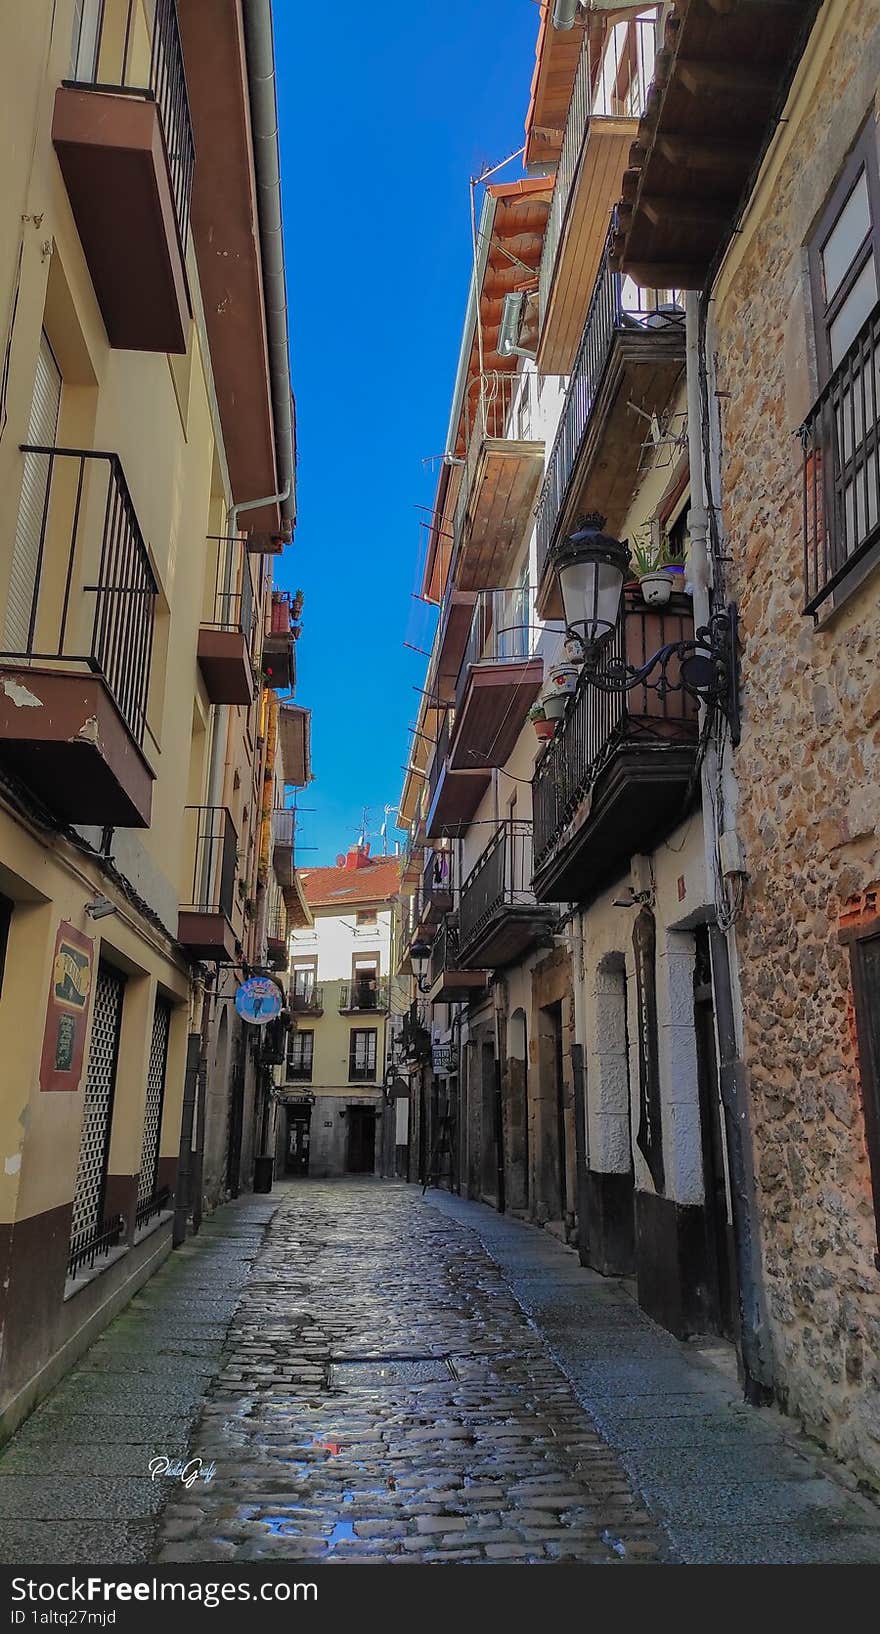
(75, 1486)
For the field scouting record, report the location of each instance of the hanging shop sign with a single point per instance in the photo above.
(259, 1000)
(442, 1058)
(67, 1011)
(649, 1137)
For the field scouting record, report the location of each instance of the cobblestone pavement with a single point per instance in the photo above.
(360, 1365)
(471, 1448)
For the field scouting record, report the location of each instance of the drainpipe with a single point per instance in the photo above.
(260, 55)
(703, 574)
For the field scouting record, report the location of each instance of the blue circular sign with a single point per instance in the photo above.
(258, 1000)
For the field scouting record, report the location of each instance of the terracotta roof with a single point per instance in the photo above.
(345, 887)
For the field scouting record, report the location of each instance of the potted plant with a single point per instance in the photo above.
(648, 559)
(558, 688)
(543, 728)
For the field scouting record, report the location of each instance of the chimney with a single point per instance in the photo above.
(358, 856)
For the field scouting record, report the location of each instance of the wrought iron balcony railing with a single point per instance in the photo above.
(596, 724)
(841, 439)
(276, 921)
(488, 409)
(307, 1001)
(213, 845)
(368, 994)
(232, 597)
(441, 751)
(82, 590)
(437, 877)
(111, 55)
(620, 90)
(616, 305)
(283, 827)
(444, 950)
(499, 633)
(501, 878)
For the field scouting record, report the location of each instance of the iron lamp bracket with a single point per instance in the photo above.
(706, 668)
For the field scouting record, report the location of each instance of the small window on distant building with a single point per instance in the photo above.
(367, 916)
(300, 1055)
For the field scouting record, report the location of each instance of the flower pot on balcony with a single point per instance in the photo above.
(543, 728)
(676, 573)
(573, 649)
(558, 688)
(656, 588)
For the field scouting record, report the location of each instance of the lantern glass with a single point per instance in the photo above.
(591, 567)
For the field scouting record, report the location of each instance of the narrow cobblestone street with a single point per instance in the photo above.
(379, 1376)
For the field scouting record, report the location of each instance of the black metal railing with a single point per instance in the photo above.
(232, 602)
(841, 439)
(595, 723)
(444, 949)
(88, 1246)
(437, 877)
(111, 54)
(307, 1001)
(151, 1206)
(365, 994)
(616, 304)
(499, 633)
(501, 878)
(213, 845)
(89, 541)
(440, 752)
(415, 1036)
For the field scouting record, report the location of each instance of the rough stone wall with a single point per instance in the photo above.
(809, 774)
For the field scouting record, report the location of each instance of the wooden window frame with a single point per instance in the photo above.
(298, 1073)
(368, 1076)
(7, 908)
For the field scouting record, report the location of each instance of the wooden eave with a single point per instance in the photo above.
(499, 510)
(721, 80)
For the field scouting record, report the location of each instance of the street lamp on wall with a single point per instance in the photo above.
(419, 953)
(591, 567)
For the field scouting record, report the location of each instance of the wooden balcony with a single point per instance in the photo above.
(497, 683)
(618, 775)
(453, 796)
(722, 79)
(498, 486)
(75, 677)
(123, 136)
(499, 917)
(630, 359)
(455, 622)
(608, 96)
(205, 920)
(452, 982)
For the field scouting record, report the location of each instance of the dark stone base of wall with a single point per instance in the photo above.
(671, 1267)
(611, 1226)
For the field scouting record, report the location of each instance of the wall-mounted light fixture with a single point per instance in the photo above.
(591, 567)
(100, 907)
(419, 954)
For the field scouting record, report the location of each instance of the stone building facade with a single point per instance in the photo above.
(808, 764)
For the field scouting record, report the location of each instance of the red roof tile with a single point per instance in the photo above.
(377, 881)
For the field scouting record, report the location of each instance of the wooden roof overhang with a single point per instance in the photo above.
(511, 238)
(721, 80)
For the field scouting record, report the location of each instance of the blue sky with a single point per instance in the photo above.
(385, 114)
